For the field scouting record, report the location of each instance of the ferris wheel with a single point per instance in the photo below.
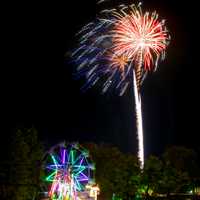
(68, 169)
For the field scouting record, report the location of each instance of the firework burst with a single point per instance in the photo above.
(121, 42)
(141, 37)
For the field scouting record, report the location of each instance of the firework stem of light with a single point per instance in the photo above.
(138, 106)
(138, 111)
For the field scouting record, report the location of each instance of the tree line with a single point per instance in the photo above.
(175, 172)
(118, 174)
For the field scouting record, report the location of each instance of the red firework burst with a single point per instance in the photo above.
(140, 37)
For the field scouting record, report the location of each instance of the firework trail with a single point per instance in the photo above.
(138, 110)
(121, 41)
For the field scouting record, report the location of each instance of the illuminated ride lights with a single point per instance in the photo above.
(68, 170)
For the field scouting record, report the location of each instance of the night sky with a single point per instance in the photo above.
(39, 89)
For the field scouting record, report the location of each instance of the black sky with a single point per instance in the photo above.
(38, 88)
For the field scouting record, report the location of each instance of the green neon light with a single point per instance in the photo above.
(54, 160)
(78, 185)
(72, 156)
(78, 158)
(51, 175)
(80, 170)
